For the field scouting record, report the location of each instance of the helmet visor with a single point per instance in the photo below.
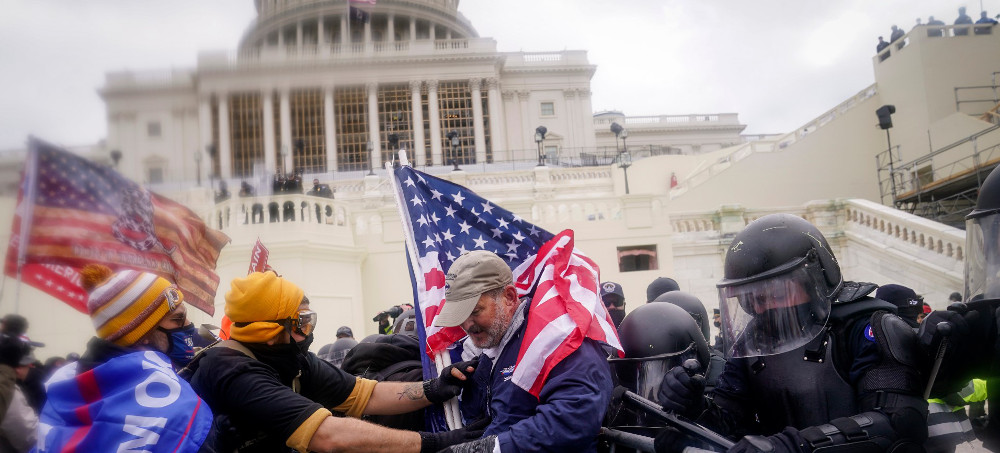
(643, 375)
(982, 262)
(775, 315)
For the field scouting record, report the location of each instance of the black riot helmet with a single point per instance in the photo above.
(338, 350)
(656, 338)
(691, 304)
(780, 279)
(982, 243)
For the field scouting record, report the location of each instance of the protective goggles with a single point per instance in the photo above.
(304, 324)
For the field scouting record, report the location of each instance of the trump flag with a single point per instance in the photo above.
(443, 220)
(72, 212)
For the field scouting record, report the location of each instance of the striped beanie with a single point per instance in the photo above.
(124, 306)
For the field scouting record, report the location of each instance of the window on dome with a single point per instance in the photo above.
(246, 132)
(350, 106)
(548, 109)
(637, 258)
(308, 138)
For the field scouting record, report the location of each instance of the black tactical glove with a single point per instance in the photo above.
(787, 441)
(484, 445)
(669, 440)
(433, 442)
(446, 387)
(681, 392)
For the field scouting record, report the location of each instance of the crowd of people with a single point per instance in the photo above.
(983, 26)
(806, 361)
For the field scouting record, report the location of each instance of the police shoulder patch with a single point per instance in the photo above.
(869, 333)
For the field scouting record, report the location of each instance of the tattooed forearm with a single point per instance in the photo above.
(413, 391)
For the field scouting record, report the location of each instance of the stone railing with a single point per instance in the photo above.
(253, 212)
(710, 170)
(666, 120)
(564, 58)
(147, 79)
(923, 239)
(333, 51)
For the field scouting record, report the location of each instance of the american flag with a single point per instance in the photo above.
(360, 10)
(72, 212)
(443, 220)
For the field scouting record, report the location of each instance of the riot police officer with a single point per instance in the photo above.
(973, 347)
(693, 306)
(814, 363)
(655, 338)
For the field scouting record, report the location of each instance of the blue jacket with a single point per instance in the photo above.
(567, 415)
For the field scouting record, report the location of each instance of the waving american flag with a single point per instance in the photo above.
(72, 212)
(443, 220)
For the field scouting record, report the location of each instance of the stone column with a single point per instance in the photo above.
(571, 111)
(373, 125)
(432, 33)
(527, 131)
(270, 161)
(477, 120)
(286, 132)
(205, 129)
(413, 29)
(435, 120)
(298, 36)
(495, 106)
(329, 129)
(319, 32)
(225, 152)
(419, 150)
(391, 29)
(281, 39)
(513, 123)
(368, 35)
(345, 40)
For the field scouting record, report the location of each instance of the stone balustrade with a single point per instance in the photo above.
(252, 212)
(274, 55)
(924, 239)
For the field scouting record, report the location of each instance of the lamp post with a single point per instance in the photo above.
(453, 140)
(284, 157)
(212, 151)
(116, 156)
(197, 161)
(617, 130)
(540, 132)
(371, 148)
(625, 161)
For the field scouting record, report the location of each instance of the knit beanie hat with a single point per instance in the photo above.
(261, 296)
(124, 306)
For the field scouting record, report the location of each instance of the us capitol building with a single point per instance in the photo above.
(313, 90)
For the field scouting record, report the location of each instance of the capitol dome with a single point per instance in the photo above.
(296, 23)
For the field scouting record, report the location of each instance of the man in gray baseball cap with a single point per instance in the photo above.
(481, 298)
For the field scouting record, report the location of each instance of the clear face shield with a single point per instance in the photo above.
(982, 261)
(774, 315)
(643, 375)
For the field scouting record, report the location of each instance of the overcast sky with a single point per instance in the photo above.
(777, 63)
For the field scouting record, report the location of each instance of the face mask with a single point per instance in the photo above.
(303, 346)
(617, 316)
(181, 340)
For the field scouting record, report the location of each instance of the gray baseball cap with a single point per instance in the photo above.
(471, 275)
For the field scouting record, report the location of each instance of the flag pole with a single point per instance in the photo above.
(28, 211)
(441, 360)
